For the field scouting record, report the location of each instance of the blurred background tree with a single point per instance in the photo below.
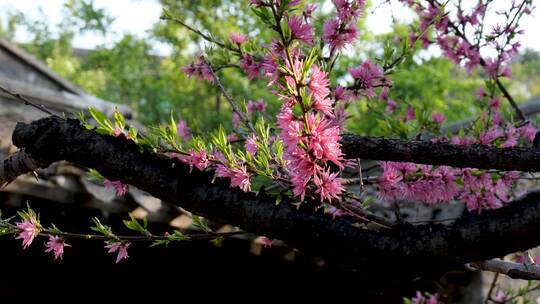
(129, 71)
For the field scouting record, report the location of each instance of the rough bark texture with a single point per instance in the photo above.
(404, 250)
(425, 152)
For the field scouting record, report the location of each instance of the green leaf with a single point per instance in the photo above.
(95, 176)
(119, 120)
(102, 120)
(99, 227)
(201, 223)
(135, 225)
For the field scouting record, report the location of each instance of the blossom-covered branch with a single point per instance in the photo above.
(427, 152)
(413, 249)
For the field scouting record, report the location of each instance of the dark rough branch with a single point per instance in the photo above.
(425, 152)
(405, 250)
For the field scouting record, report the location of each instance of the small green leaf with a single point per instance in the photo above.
(201, 223)
(102, 120)
(119, 120)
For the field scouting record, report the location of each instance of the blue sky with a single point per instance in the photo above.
(138, 16)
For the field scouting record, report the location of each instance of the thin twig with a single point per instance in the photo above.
(233, 104)
(167, 16)
(491, 287)
(131, 238)
(26, 101)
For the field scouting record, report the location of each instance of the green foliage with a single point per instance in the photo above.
(135, 225)
(129, 71)
(100, 228)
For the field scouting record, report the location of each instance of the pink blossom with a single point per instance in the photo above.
(236, 120)
(120, 188)
(308, 11)
(500, 297)
(28, 230)
(497, 119)
(365, 77)
(340, 117)
(117, 131)
(238, 176)
(438, 118)
(495, 103)
(199, 69)
(520, 258)
(199, 159)
(232, 137)
(318, 85)
(337, 35)
(349, 9)
(300, 30)
(506, 72)
(183, 129)
(511, 136)
(528, 131)
(251, 145)
(390, 106)
(492, 67)
(238, 38)
(421, 299)
(456, 140)
(416, 183)
(266, 242)
(256, 106)
(410, 114)
(56, 244)
(335, 212)
(328, 185)
(480, 93)
(256, 3)
(324, 140)
(120, 247)
(250, 66)
(490, 135)
(481, 191)
(341, 93)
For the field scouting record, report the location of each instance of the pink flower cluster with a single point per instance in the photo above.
(412, 182)
(256, 106)
(300, 30)
(342, 30)
(199, 69)
(56, 245)
(183, 130)
(311, 141)
(238, 175)
(366, 77)
(238, 38)
(28, 230)
(478, 189)
(119, 247)
(457, 35)
(120, 188)
(422, 299)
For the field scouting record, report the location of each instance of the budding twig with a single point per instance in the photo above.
(26, 101)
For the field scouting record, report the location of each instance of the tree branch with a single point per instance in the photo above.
(511, 269)
(426, 152)
(405, 250)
